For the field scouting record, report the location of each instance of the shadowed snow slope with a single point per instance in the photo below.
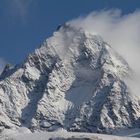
(74, 81)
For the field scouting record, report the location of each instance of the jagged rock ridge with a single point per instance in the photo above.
(75, 80)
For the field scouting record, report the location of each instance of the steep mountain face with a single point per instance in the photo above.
(75, 81)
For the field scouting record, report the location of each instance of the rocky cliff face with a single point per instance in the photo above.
(75, 81)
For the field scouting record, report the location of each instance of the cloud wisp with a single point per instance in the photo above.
(19, 9)
(122, 32)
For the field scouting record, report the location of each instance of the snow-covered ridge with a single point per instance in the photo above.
(75, 81)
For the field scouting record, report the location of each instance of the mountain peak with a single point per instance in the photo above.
(75, 80)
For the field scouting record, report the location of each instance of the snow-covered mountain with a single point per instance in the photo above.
(75, 81)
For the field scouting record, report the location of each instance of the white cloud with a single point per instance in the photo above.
(122, 32)
(18, 8)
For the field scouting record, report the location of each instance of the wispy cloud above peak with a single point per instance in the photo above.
(121, 31)
(19, 9)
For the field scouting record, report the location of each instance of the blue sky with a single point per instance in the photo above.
(25, 24)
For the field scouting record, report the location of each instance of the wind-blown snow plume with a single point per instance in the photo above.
(121, 31)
